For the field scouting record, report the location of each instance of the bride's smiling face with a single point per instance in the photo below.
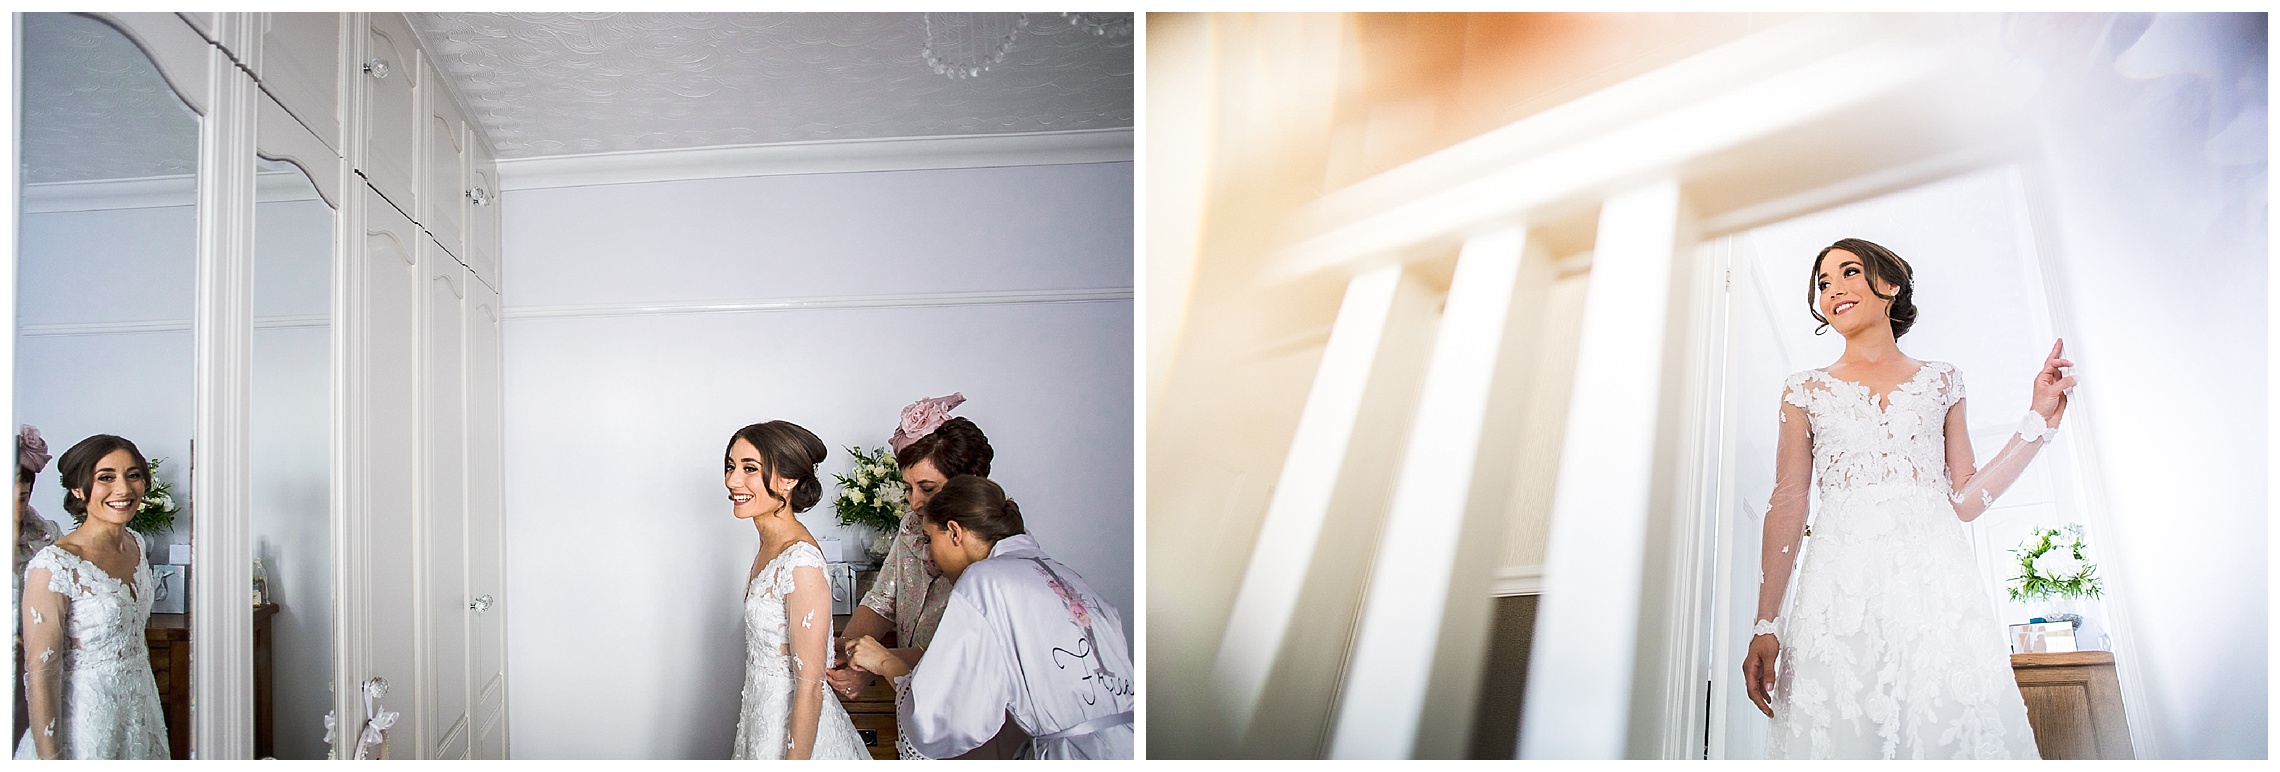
(1845, 298)
(749, 482)
(116, 488)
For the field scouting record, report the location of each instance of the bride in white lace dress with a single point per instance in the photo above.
(788, 712)
(87, 598)
(1890, 647)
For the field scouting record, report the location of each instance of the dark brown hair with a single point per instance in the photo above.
(787, 451)
(77, 467)
(1883, 265)
(977, 505)
(957, 447)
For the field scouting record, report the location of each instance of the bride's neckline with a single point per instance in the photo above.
(129, 586)
(763, 569)
(1881, 401)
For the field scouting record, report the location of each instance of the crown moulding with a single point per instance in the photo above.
(831, 157)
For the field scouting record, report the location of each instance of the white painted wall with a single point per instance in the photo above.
(623, 564)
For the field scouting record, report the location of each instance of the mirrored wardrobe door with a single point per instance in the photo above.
(107, 254)
(292, 439)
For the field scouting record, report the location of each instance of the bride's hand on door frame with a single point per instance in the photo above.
(2052, 384)
(1757, 671)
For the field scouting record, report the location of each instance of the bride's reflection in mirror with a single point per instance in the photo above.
(292, 524)
(106, 255)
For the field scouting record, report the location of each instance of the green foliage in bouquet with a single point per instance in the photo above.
(2052, 564)
(156, 515)
(872, 493)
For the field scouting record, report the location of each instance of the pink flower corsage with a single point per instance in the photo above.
(921, 418)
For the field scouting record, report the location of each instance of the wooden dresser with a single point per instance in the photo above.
(169, 639)
(2074, 702)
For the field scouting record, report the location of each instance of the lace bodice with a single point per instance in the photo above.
(1858, 442)
(787, 646)
(87, 666)
(767, 637)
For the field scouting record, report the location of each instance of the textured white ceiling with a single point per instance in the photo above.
(95, 108)
(566, 83)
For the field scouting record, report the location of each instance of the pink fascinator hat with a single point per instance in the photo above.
(921, 418)
(31, 449)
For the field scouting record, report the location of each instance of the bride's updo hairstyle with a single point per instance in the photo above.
(787, 451)
(956, 447)
(1883, 266)
(977, 505)
(77, 468)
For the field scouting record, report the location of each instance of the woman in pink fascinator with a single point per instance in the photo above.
(33, 533)
(906, 602)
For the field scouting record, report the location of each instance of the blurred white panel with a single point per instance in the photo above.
(1579, 684)
(1386, 680)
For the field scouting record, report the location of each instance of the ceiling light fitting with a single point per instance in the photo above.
(980, 63)
(1108, 25)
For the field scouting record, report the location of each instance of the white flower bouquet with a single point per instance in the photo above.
(872, 493)
(2051, 564)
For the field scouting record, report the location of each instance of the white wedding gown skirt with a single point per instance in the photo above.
(1892, 648)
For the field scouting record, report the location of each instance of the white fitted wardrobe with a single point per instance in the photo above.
(411, 495)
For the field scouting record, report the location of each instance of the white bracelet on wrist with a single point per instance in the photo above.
(2035, 428)
(1762, 627)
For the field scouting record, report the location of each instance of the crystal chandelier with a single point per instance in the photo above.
(974, 56)
(1108, 25)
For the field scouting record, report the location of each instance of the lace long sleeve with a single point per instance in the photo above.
(47, 643)
(807, 608)
(1976, 489)
(1786, 510)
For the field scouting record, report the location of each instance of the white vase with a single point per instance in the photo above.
(2056, 608)
(2089, 633)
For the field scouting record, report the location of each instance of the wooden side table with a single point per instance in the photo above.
(168, 636)
(2074, 702)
